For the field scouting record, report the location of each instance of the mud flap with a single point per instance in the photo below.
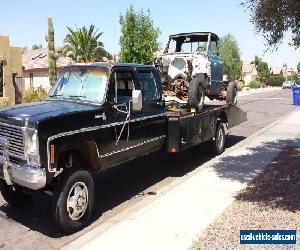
(235, 115)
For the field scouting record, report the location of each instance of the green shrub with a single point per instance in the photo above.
(4, 101)
(240, 85)
(255, 85)
(275, 80)
(34, 95)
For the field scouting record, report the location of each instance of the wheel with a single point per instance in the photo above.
(218, 144)
(73, 200)
(231, 96)
(13, 196)
(196, 93)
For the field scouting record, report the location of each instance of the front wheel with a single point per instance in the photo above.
(73, 200)
(196, 92)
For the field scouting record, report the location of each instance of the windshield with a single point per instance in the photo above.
(194, 47)
(187, 44)
(85, 83)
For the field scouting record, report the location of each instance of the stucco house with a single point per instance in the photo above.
(282, 71)
(10, 72)
(276, 71)
(36, 69)
(249, 72)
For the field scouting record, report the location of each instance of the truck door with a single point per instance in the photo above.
(127, 130)
(153, 109)
(216, 68)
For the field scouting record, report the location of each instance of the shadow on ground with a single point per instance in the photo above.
(279, 185)
(117, 185)
(246, 166)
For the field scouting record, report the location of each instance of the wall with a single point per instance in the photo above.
(13, 64)
(248, 77)
(40, 78)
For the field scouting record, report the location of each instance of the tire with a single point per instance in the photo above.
(12, 196)
(196, 92)
(231, 96)
(218, 144)
(74, 191)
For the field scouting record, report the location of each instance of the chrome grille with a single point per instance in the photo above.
(15, 137)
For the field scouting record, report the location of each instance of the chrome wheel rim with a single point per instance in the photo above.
(77, 200)
(220, 139)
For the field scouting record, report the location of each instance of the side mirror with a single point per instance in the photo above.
(137, 100)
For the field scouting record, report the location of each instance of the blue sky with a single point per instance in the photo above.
(26, 22)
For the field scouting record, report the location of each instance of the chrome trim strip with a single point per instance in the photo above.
(9, 125)
(88, 129)
(134, 146)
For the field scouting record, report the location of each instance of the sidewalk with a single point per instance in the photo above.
(256, 91)
(176, 218)
(270, 201)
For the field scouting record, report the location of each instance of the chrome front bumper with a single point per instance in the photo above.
(21, 174)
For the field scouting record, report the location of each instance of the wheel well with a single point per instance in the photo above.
(82, 155)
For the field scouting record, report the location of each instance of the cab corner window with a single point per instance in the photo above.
(148, 86)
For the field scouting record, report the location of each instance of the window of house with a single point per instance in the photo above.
(31, 79)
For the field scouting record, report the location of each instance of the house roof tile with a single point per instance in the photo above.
(38, 59)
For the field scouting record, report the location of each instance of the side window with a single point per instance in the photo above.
(125, 85)
(214, 47)
(148, 85)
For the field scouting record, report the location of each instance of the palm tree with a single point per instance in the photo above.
(83, 45)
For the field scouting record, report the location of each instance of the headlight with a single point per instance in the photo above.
(31, 147)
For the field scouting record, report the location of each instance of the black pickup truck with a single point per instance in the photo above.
(96, 116)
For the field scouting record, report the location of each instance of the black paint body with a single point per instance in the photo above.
(90, 132)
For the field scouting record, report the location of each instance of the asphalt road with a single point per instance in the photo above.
(124, 187)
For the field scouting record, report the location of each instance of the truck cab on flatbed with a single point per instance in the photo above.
(96, 116)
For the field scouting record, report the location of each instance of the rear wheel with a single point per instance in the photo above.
(231, 96)
(73, 200)
(196, 93)
(13, 196)
(218, 144)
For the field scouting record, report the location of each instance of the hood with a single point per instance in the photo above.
(177, 64)
(31, 113)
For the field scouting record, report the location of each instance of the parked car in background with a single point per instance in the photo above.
(288, 84)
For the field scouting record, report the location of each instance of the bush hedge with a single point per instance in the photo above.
(255, 85)
(34, 94)
(275, 80)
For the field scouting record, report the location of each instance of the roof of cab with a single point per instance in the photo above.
(111, 65)
(198, 33)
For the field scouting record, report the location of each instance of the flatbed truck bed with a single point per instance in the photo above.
(187, 129)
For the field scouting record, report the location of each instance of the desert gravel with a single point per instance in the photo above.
(271, 201)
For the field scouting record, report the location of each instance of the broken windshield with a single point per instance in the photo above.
(84, 83)
(188, 44)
